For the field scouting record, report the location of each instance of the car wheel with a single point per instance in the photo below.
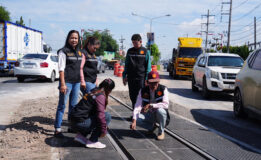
(175, 76)
(205, 91)
(238, 107)
(52, 79)
(170, 73)
(20, 79)
(193, 83)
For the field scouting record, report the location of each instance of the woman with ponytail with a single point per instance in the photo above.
(89, 65)
(89, 115)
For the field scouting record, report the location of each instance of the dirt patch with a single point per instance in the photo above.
(28, 136)
(30, 126)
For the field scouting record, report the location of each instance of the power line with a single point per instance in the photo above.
(240, 4)
(248, 25)
(257, 6)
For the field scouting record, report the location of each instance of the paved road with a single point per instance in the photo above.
(188, 104)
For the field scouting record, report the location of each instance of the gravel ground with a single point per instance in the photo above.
(32, 125)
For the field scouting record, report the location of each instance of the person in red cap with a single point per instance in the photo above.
(152, 102)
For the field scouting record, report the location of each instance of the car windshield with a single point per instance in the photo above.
(189, 52)
(225, 61)
(35, 56)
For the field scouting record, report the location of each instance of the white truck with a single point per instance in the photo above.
(16, 41)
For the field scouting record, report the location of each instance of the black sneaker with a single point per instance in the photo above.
(58, 134)
(151, 131)
(70, 130)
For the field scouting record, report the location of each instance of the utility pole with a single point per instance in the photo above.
(229, 26)
(207, 31)
(121, 41)
(229, 21)
(255, 32)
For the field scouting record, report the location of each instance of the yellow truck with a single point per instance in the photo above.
(184, 57)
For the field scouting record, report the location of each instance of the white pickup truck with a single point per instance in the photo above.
(215, 72)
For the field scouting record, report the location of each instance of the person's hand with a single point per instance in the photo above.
(63, 89)
(133, 124)
(83, 85)
(102, 135)
(124, 81)
(146, 82)
(146, 108)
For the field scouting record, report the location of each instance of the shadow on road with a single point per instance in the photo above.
(215, 96)
(29, 80)
(31, 124)
(244, 130)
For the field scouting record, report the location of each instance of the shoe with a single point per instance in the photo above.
(70, 130)
(151, 131)
(161, 136)
(58, 134)
(80, 138)
(91, 144)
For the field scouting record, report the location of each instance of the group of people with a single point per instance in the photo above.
(78, 72)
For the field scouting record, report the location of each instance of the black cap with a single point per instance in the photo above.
(136, 37)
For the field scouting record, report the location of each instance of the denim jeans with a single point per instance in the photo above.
(150, 118)
(89, 87)
(72, 93)
(90, 126)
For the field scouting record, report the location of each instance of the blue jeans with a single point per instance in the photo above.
(150, 118)
(72, 92)
(90, 126)
(89, 87)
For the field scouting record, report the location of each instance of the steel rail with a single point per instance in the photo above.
(176, 136)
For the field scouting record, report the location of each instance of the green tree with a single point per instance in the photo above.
(242, 51)
(106, 39)
(20, 22)
(155, 53)
(4, 14)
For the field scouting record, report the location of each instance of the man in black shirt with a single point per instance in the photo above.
(137, 67)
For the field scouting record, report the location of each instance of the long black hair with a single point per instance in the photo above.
(92, 41)
(68, 37)
(106, 86)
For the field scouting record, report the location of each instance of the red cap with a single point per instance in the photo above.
(153, 76)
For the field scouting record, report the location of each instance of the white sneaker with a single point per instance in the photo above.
(91, 144)
(81, 139)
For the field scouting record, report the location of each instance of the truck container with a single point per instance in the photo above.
(16, 41)
(184, 57)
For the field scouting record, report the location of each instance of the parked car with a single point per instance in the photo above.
(101, 66)
(110, 64)
(247, 99)
(37, 65)
(215, 72)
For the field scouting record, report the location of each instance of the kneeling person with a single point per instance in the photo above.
(153, 102)
(89, 115)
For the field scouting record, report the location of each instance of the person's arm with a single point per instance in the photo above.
(61, 67)
(100, 100)
(83, 85)
(148, 62)
(124, 74)
(165, 102)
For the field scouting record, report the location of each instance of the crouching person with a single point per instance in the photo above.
(89, 116)
(153, 103)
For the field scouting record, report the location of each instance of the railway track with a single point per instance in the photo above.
(125, 153)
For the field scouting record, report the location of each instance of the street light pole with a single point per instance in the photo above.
(151, 19)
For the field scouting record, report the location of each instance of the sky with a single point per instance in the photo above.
(55, 18)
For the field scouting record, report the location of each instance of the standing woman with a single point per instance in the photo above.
(89, 65)
(69, 85)
(89, 115)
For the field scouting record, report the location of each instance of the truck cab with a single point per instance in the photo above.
(184, 57)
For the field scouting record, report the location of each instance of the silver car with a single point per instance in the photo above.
(248, 87)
